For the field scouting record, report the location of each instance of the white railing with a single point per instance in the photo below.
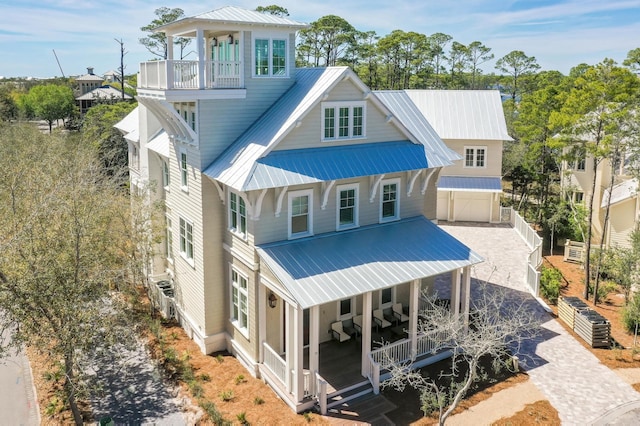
(374, 374)
(321, 386)
(274, 362)
(534, 242)
(399, 351)
(180, 74)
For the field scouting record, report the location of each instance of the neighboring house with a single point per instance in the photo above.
(471, 123)
(92, 91)
(299, 206)
(624, 213)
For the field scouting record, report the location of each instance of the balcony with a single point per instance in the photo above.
(190, 75)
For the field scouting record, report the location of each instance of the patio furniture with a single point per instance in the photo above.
(357, 324)
(338, 333)
(378, 318)
(398, 312)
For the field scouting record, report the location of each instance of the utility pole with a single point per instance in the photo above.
(121, 69)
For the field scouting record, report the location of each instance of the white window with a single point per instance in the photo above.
(166, 175)
(237, 215)
(239, 301)
(347, 206)
(186, 239)
(343, 120)
(187, 110)
(346, 308)
(270, 57)
(300, 213)
(389, 200)
(184, 175)
(580, 164)
(578, 197)
(475, 156)
(135, 157)
(168, 247)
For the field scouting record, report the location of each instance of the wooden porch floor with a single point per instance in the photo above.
(340, 363)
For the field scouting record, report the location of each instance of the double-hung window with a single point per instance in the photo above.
(300, 213)
(184, 175)
(239, 301)
(475, 156)
(343, 120)
(347, 206)
(237, 214)
(389, 200)
(346, 308)
(169, 240)
(270, 57)
(387, 297)
(166, 174)
(186, 239)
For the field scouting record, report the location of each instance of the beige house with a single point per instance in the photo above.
(624, 210)
(300, 208)
(471, 123)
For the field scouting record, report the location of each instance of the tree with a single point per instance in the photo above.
(633, 60)
(8, 106)
(326, 40)
(97, 129)
(500, 324)
(156, 42)
(51, 102)
(477, 54)
(458, 55)
(438, 42)
(517, 65)
(61, 251)
(273, 10)
(595, 118)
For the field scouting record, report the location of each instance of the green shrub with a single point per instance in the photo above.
(242, 418)
(631, 313)
(258, 400)
(550, 283)
(226, 395)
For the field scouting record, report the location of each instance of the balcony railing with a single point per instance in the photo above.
(180, 75)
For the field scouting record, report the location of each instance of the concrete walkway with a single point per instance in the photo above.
(583, 390)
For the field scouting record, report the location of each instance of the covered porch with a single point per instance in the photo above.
(331, 309)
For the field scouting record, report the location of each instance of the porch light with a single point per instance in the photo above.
(273, 300)
(230, 38)
(214, 41)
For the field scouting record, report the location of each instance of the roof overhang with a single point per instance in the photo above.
(470, 184)
(160, 144)
(335, 266)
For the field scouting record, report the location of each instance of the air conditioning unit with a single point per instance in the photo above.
(161, 295)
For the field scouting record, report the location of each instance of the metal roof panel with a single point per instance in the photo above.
(470, 183)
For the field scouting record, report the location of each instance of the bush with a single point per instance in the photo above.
(631, 313)
(550, 283)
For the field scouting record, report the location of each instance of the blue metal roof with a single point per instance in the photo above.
(335, 266)
(302, 166)
(470, 183)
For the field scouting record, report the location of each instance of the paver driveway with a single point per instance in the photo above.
(572, 378)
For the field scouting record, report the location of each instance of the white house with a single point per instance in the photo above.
(300, 206)
(471, 123)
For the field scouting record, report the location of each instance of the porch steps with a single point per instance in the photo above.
(349, 393)
(369, 409)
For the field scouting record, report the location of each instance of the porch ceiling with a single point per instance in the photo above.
(335, 266)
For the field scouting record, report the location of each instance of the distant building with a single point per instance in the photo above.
(93, 91)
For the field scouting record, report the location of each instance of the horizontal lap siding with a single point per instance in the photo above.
(493, 159)
(622, 223)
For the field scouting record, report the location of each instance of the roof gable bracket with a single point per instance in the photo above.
(220, 190)
(425, 182)
(326, 189)
(257, 209)
(279, 198)
(412, 177)
(374, 183)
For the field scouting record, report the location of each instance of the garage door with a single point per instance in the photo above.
(443, 205)
(472, 206)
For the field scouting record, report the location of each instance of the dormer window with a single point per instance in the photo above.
(270, 57)
(343, 120)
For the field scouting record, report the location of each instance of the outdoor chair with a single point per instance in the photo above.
(338, 333)
(398, 312)
(357, 324)
(378, 317)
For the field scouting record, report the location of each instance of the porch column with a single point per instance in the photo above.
(262, 320)
(201, 56)
(455, 293)
(289, 346)
(413, 316)
(466, 294)
(170, 48)
(298, 354)
(367, 311)
(314, 345)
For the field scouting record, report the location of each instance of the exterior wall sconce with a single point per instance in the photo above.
(273, 300)
(230, 38)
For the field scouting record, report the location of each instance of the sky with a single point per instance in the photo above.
(560, 34)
